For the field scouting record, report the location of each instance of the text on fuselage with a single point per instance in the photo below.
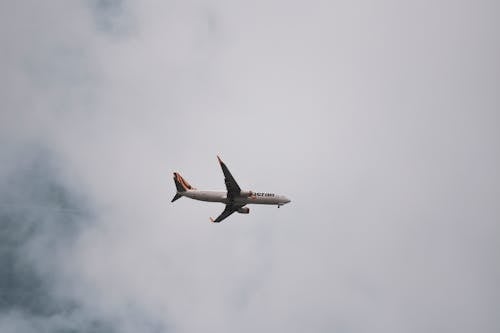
(263, 194)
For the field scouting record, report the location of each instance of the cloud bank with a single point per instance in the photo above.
(378, 121)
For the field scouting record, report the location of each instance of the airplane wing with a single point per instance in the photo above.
(233, 189)
(227, 211)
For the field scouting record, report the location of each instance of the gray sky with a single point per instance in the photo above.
(378, 119)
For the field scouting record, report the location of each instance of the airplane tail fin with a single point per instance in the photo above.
(182, 186)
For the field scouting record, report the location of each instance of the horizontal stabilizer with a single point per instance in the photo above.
(177, 196)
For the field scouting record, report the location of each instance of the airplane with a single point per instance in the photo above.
(234, 198)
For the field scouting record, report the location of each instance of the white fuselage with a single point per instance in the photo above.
(262, 198)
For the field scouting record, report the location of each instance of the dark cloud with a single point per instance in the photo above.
(40, 219)
(111, 16)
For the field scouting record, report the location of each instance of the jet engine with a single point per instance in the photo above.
(243, 210)
(246, 194)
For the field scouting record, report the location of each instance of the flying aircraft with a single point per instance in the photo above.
(234, 198)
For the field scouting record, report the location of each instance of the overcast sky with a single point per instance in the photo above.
(379, 120)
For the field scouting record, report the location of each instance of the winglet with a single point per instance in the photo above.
(212, 219)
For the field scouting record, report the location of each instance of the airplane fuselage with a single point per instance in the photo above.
(260, 198)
